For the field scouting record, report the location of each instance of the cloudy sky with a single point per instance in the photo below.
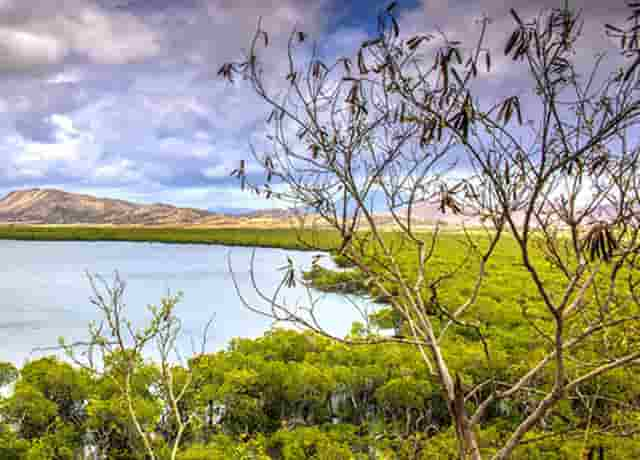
(120, 98)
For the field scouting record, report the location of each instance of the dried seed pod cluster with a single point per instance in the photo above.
(448, 201)
(600, 242)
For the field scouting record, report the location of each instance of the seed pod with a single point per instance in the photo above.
(395, 26)
(347, 65)
(512, 41)
(361, 64)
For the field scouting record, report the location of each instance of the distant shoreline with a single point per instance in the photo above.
(282, 238)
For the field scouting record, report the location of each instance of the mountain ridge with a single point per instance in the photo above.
(54, 206)
(51, 206)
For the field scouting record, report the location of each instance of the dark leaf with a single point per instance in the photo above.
(347, 65)
(361, 65)
(456, 76)
(522, 49)
(610, 239)
(614, 28)
(292, 77)
(600, 242)
(373, 42)
(316, 70)
(508, 112)
(445, 74)
(396, 27)
(456, 51)
(465, 128)
(414, 42)
(503, 110)
(515, 16)
(631, 69)
(512, 41)
(516, 103)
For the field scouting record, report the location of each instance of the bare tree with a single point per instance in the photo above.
(402, 124)
(116, 348)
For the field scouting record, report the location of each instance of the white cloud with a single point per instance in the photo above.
(35, 36)
(65, 125)
(120, 171)
(68, 76)
(24, 50)
(218, 171)
(108, 38)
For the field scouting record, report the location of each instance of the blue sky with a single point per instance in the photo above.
(119, 98)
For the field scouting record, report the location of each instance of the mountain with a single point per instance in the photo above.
(51, 206)
(429, 214)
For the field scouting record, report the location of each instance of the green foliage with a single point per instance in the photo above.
(30, 410)
(295, 395)
(316, 443)
(275, 238)
(289, 396)
(108, 415)
(8, 374)
(59, 383)
(12, 446)
(222, 447)
(405, 393)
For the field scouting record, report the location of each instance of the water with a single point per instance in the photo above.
(44, 292)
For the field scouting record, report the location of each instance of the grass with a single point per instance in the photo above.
(276, 238)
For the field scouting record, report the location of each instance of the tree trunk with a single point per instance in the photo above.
(468, 444)
(454, 395)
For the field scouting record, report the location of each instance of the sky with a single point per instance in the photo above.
(120, 99)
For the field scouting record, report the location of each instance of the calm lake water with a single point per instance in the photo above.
(44, 292)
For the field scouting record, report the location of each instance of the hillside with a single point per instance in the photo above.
(50, 206)
(39, 206)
